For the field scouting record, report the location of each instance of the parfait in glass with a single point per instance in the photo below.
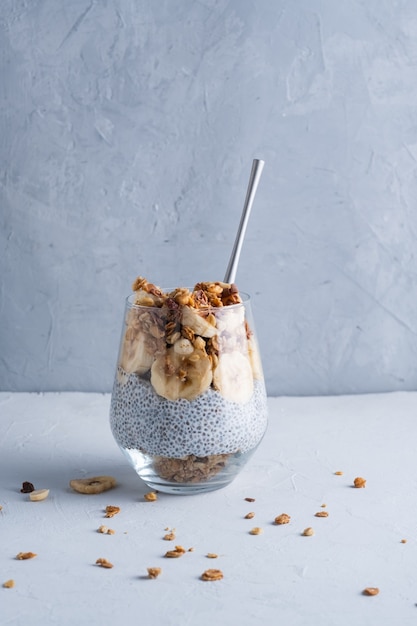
(189, 404)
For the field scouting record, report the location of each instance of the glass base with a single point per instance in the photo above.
(188, 475)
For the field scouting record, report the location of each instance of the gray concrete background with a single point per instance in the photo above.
(128, 129)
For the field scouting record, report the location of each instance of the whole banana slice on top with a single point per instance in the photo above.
(197, 323)
(233, 377)
(135, 357)
(177, 374)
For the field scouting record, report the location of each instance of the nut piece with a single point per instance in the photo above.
(321, 514)
(250, 515)
(27, 487)
(339, 473)
(104, 530)
(104, 563)
(256, 531)
(112, 510)
(359, 482)
(282, 519)
(95, 484)
(174, 554)
(38, 495)
(9, 583)
(308, 532)
(23, 556)
(151, 496)
(371, 591)
(212, 574)
(212, 555)
(153, 572)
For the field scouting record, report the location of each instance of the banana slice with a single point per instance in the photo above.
(255, 359)
(135, 356)
(175, 376)
(231, 319)
(233, 377)
(198, 324)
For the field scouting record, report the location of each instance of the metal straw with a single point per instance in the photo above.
(255, 176)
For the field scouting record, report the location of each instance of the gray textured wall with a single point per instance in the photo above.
(128, 128)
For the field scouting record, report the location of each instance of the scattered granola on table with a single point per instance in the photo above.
(359, 482)
(284, 518)
(371, 591)
(8, 584)
(104, 563)
(112, 510)
(154, 572)
(105, 530)
(212, 574)
(321, 514)
(308, 532)
(23, 556)
(151, 496)
(177, 552)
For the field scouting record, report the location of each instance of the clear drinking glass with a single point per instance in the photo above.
(189, 405)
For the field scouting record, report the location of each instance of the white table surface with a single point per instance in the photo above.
(277, 577)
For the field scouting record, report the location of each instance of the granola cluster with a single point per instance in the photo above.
(192, 469)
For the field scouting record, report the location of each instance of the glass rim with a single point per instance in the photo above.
(245, 297)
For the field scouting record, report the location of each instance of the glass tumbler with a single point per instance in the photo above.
(189, 404)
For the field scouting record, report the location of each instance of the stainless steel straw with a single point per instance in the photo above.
(255, 175)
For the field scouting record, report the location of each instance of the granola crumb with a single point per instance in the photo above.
(170, 536)
(212, 555)
(212, 574)
(284, 518)
(338, 473)
(250, 499)
(105, 530)
(359, 482)
(111, 510)
(250, 515)
(371, 591)
(323, 506)
(308, 532)
(104, 563)
(176, 553)
(23, 556)
(154, 572)
(321, 514)
(256, 531)
(190, 549)
(8, 584)
(151, 496)
(403, 540)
